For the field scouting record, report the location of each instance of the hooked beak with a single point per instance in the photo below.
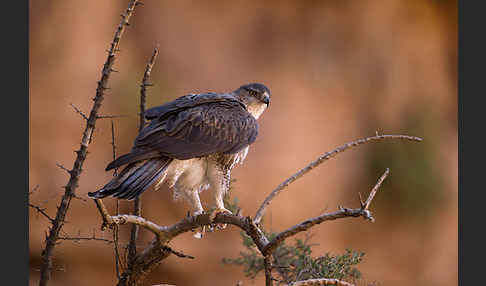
(266, 99)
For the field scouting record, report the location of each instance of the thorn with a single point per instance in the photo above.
(64, 168)
(79, 111)
(113, 70)
(139, 3)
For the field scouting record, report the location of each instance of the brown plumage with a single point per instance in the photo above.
(192, 143)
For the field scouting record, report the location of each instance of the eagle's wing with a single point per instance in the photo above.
(184, 131)
(184, 102)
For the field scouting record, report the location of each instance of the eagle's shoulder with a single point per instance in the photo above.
(188, 101)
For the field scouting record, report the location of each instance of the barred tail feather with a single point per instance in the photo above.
(131, 158)
(134, 179)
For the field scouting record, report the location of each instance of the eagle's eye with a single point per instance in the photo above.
(252, 92)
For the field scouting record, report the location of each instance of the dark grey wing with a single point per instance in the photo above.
(216, 127)
(167, 113)
(184, 102)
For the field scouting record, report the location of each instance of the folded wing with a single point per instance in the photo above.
(182, 131)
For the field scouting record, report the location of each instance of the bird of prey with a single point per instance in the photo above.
(192, 143)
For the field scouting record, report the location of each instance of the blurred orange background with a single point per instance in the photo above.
(338, 71)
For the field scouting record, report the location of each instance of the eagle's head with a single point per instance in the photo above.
(255, 96)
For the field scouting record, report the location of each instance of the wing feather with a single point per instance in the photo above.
(216, 127)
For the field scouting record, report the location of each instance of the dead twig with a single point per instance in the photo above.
(326, 156)
(63, 168)
(341, 213)
(111, 116)
(320, 281)
(79, 238)
(36, 187)
(42, 211)
(79, 112)
(177, 253)
(137, 204)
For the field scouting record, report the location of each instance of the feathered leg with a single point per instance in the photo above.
(219, 181)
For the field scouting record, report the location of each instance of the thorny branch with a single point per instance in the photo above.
(46, 256)
(261, 211)
(79, 238)
(137, 204)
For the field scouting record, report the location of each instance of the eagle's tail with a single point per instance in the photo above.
(134, 179)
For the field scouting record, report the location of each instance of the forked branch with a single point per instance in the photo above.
(157, 251)
(326, 156)
(341, 213)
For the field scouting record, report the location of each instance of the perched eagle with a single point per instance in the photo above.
(192, 143)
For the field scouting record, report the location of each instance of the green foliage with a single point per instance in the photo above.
(295, 263)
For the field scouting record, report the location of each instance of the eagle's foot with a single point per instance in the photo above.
(198, 212)
(214, 213)
(200, 233)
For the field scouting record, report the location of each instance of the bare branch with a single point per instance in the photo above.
(268, 270)
(117, 253)
(79, 112)
(375, 189)
(137, 205)
(107, 220)
(178, 254)
(63, 168)
(113, 148)
(132, 219)
(111, 116)
(320, 281)
(35, 188)
(143, 87)
(341, 213)
(261, 211)
(41, 211)
(79, 238)
(71, 186)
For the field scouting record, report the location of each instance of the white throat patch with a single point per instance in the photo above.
(256, 109)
